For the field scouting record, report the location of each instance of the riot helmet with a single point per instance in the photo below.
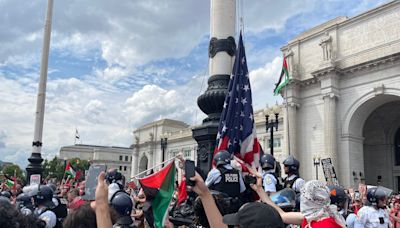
(285, 199)
(42, 195)
(6, 194)
(122, 203)
(223, 157)
(292, 163)
(338, 197)
(23, 200)
(267, 161)
(113, 176)
(374, 194)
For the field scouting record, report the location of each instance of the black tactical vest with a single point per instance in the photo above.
(229, 183)
(290, 183)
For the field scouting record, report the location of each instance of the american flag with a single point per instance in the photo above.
(236, 132)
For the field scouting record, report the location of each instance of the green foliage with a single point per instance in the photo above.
(9, 170)
(55, 168)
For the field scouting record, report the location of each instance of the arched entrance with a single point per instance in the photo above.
(379, 134)
(143, 165)
(368, 140)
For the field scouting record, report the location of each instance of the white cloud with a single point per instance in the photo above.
(263, 83)
(152, 103)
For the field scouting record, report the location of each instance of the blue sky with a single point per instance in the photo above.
(114, 67)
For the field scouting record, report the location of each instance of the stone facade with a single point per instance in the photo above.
(346, 79)
(113, 157)
(148, 151)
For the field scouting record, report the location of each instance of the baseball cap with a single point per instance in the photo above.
(255, 215)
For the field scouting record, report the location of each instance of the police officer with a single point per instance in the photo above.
(42, 197)
(292, 180)
(224, 178)
(24, 204)
(339, 198)
(376, 214)
(270, 181)
(60, 208)
(116, 182)
(122, 203)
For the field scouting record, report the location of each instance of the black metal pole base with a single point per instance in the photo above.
(34, 166)
(205, 136)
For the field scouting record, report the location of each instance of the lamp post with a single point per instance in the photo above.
(317, 162)
(271, 125)
(164, 143)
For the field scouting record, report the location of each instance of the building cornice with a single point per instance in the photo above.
(335, 69)
(372, 64)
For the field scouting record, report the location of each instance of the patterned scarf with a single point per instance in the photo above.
(315, 203)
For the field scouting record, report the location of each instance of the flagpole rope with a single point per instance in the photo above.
(134, 177)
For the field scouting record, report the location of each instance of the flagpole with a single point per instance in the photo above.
(178, 156)
(35, 161)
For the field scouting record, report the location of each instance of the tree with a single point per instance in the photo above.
(55, 168)
(9, 171)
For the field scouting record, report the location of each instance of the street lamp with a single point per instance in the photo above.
(270, 125)
(164, 143)
(317, 162)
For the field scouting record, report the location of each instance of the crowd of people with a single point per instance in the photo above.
(231, 195)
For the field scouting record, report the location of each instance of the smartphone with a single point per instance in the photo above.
(91, 181)
(189, 172)
(248, 179)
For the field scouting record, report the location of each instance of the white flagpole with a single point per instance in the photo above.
(35, 160)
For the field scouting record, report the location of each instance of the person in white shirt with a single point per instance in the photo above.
(375, 215)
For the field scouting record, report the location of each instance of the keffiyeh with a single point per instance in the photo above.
(315, 203)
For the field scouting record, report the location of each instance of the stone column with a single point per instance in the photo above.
(330, 93)
(330, 134)
(222, 28)
(221, 56)
(292, 128)
(290, 120)
(135, 160)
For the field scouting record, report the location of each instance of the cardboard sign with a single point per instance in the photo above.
(329, 172)
(91, 181)
(35, 179)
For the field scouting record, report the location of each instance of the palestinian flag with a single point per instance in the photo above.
(9, 183)
(159, 188)
(69, 170)
(283, 78)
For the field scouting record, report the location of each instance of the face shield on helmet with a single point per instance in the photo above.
(285, 199)
(378, 196)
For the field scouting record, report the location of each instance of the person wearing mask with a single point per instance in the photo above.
(315, 206)
(374, 215)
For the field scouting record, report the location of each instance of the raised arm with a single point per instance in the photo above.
(214, 217)
(295, 218)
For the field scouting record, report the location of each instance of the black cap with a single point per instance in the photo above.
(255, 215)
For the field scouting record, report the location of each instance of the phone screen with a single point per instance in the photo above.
(189, 172)
(91, 181)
